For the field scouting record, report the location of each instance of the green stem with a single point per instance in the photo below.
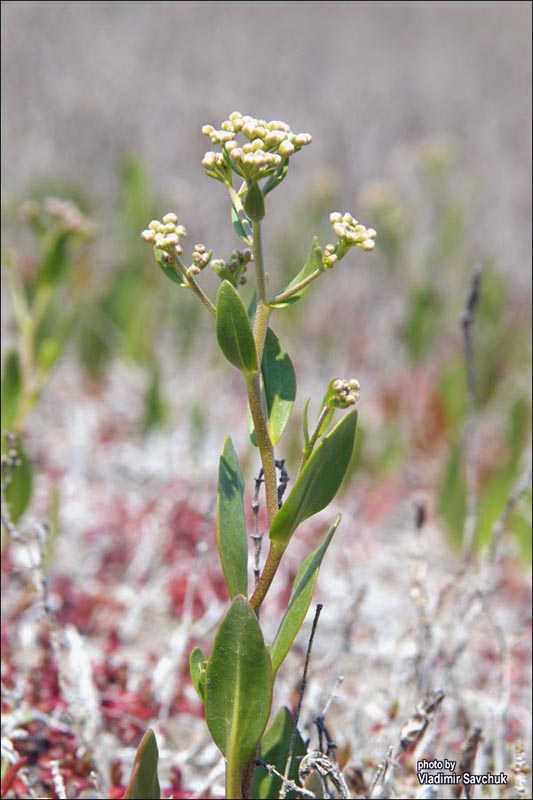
(282, 297)
(233, 780)
(326, 411)
(267, 575)
(191, 284)
(266, 449)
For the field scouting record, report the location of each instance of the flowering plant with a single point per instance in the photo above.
(235, 683)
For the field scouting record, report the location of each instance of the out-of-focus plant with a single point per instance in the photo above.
(236, 682)
(44, 311)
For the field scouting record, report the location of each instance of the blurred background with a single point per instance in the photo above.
(119, 401)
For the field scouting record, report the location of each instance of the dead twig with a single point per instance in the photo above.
(470, 443)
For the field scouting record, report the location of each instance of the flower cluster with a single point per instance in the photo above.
(268, 147)
(351, 233)
(234, 269)
(165, 234)
(63, 213)
(201, 257)
(345, 393)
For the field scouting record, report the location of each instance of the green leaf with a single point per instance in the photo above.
(319, 480)
(198, 666)
(54, 263)
(144, 782)
(254, 203)
(231, 525)
(452, 494)
(18, 493)
(279, 382)
(234, 333)
(238, 226)
(11, 389)
(275, 747)
(300, 600)
(238, 689)
(313, 263)
(167, 268)
(276, 179)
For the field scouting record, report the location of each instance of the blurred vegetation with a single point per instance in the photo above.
(64, 294)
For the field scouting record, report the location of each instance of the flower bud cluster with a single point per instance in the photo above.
(351, 233)
(165, 234)
(62, 212)
(345, 393)
(201, 257)
(234, 268)
(269, 145)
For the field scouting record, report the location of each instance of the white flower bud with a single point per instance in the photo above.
(335, 217)
(148, 235)
(209, 160)
(170, 217)
(154, 225)
(368, 244)
(286, 148)
(302, 139)
(207, 130)
(249, 130)
(181, 231)
(169, 227)
(353, 383)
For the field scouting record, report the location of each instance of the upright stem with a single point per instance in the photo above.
(233, 780)
(253, 382)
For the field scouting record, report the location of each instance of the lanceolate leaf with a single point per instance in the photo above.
(275, 747)
(319, 480)
(300, 599)
(231, 524)
(238, 223)
(198, 666)
(11, 389)
(144, 782)
(313, 263)
(238, 689)
(20, 489)
(167, 268)
(279, 382)
(234, 333)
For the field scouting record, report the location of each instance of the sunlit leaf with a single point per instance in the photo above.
(313, 263)
(231, 525)
(144, 782)
(234, 333)
(275, 747)
(300, 600)
(238, 689)
(198, 667)
(319, 480)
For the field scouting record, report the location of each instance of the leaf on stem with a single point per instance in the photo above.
(197, 667)
(319, 480)
(11, 389)
(238, 689)
(275, 747)
(279, 382)
(167, 267)
(144, 781)
(55, 258)
(254, 202)
(231, 525)
(300, 600)
(18, 493)
(234, 333)
(238, 226)
(313, 263)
